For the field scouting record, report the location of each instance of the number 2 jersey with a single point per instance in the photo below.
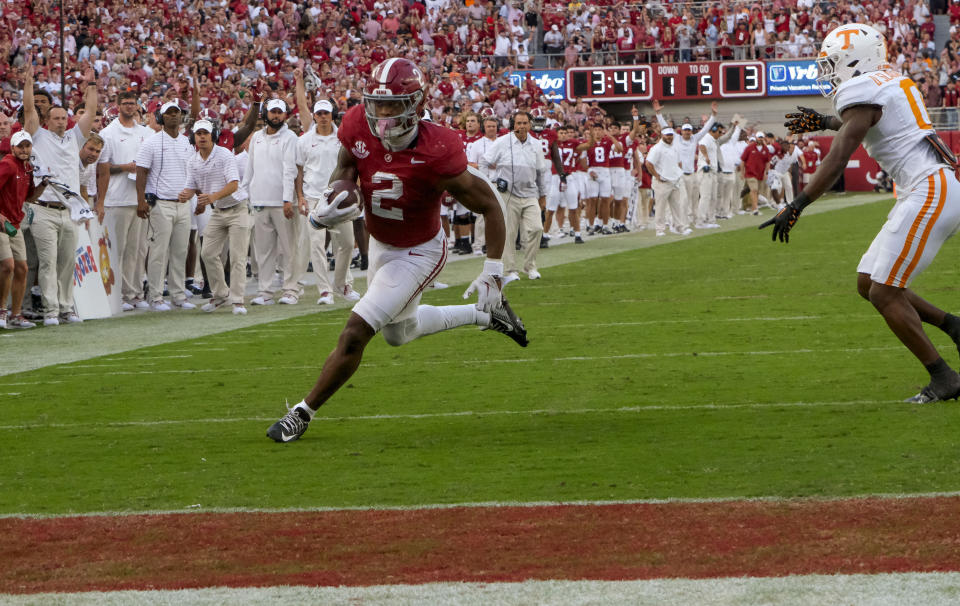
(897, 142)
(401, 189)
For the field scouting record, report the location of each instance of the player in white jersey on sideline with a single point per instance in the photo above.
(883, 109)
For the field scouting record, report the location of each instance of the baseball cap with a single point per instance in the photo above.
(323, 106)
(276, 104)
(170, 104)
(554, 27)
(759, 133)
(686, 127)
(666, 131)
(203, 125)
(19, 137)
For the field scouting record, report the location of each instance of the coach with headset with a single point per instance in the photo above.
(520, 172)
(213, 177)
(161, 177)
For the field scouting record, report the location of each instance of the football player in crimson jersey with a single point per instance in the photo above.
(404, 165)
(461, 215)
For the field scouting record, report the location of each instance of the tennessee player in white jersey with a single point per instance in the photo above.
(884, 110)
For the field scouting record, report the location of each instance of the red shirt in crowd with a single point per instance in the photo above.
(755, 160)
(16, 184)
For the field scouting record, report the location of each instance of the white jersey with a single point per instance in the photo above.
(896, 142)
(784, 162)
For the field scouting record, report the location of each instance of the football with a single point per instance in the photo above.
(353, 198)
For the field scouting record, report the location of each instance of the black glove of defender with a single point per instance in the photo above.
(783, 222)
(805, 121)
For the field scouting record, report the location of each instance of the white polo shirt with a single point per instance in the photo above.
(166, 159)
(60, 156)
(710, 145)
(271, 167)
(476, 150)
(213, 174)
(317, 154)
(120, 146)
(520, 163)
(666, 160)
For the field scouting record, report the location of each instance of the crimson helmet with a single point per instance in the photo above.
(538, 119)
(110, 113)
(487, 112)
(395, 80)
(210, 115)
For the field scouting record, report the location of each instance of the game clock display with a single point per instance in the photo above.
(668, 81)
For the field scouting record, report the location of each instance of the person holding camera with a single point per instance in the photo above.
(520, 174)
(161, 180)
(54, 233)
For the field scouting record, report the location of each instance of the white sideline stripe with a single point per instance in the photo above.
(198, 508)
(669, 354)
(930, 589)
(462, 413)
(138, 358)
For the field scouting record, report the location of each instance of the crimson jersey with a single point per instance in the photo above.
(401, 193)
(569, 155)
(811, 158)
(616, 157)
(629, 158)
(468, 139)
(599, 154)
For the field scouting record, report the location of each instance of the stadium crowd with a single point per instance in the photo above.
(235, 60)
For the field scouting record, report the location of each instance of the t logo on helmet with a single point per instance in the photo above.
(846, 34)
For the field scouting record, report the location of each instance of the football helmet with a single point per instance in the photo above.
(211, 115)
(399, 83)
(487, 112)
(110, 113)
(847, 52)
(538, 119)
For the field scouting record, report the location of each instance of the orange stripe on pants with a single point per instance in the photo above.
(908, 244)
(928, 229)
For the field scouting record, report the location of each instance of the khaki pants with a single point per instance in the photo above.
(691, 188)
(168, 230)
(523, 216)
(274, 236)
(726, 196)
(127, 230)
(786, 182)
(644, 206)
(341, 241)
(230, 227)
(669, 196)
(707, 209)
(55, 237)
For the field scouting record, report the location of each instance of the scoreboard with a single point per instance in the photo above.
(668, 81)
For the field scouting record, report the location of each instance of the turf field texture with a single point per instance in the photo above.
(721, 366)
(726, 391)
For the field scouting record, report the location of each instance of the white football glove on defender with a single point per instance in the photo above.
(325, 213)
(487, 286)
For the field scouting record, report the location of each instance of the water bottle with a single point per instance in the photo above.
(9, 228)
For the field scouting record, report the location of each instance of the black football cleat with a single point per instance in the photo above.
(503, 320)
(290, 427)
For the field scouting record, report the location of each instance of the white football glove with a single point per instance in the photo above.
(325, 214)
(486, 286)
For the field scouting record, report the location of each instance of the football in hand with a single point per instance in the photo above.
(353, 195)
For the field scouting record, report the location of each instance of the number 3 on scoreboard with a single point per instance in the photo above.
(916, 103)
(380, 198)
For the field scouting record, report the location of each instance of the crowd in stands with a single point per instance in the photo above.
(244, 47)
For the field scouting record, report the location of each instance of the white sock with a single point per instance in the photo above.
(302, 405)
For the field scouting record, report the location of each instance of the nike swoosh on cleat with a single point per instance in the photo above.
(287, 438)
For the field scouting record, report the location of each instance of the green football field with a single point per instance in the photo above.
(721, 366)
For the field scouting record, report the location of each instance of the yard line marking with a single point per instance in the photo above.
(30, 383)
(138, 358)
(491, 504)
(715, 320)
(109, 365)
(461, 413)
(10, 393)
(632, 356)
